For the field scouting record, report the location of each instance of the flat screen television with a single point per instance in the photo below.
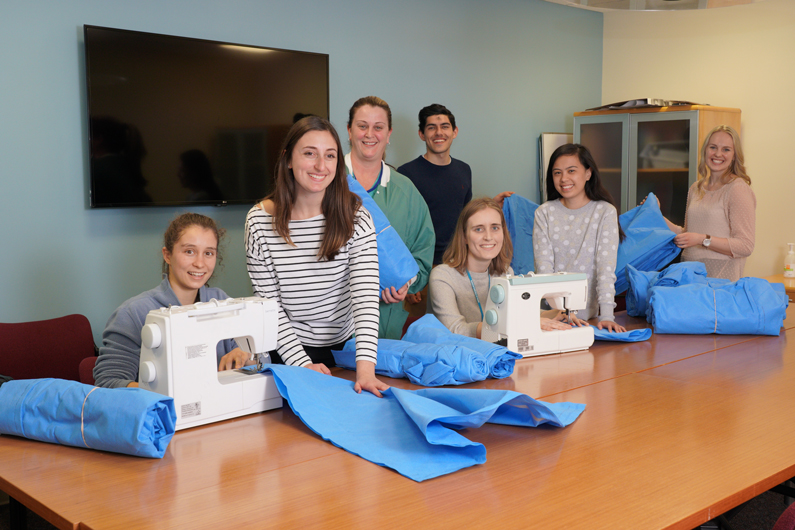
(177, 121)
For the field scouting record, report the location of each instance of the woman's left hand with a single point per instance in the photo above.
(236, 358)
(609, 325)
(366, 379)
(689, 239)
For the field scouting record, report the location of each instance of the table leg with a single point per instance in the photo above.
(19, 515)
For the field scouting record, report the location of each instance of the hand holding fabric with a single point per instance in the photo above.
(319, 367)
(393, 296)
(689, 239)
(609, 325)
(366, 379)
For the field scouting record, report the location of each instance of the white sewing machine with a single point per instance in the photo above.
(178, 358)
(513, 312)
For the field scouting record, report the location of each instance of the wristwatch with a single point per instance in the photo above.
(707, 241)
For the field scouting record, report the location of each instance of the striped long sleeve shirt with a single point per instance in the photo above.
(320, 302)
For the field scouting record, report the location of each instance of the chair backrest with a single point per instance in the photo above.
(786, 520)
(46, 348)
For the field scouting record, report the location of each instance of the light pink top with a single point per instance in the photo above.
(728, 212)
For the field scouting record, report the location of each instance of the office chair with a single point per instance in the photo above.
(46, 348)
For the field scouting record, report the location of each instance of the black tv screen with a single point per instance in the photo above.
(182, 121)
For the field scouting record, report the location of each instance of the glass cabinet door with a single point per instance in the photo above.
(664, 155)
(605, 137)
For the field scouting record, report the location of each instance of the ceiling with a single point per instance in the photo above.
(650, 5)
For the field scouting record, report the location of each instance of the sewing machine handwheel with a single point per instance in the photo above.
(491, 317)
(497, 294)
(147, 372)
(151, 336)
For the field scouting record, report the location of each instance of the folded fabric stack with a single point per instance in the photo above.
(132, 421)
(751, 306)
(411, 432)
(649, 243)
(430, 355)
(641, 282)
(396, 265)
(520, 215)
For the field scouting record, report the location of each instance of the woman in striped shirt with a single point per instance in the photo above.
(310, 245)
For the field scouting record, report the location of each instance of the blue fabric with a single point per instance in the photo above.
(520, 215)
(428, 329)
(132, 421)
(750, 306)
(396, 265)
(422, 364)
(410, 431)
(638, 284)
(633, 335)
(649, 243)
(677, 274)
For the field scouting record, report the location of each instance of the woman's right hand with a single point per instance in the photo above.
(548, 324)
(393, 296)
(319, 367)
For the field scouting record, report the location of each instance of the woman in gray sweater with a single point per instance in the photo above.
(479, 249)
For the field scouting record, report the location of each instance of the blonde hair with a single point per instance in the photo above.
(456, 254)
(737, 168)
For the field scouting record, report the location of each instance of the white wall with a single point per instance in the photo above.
(741, 57)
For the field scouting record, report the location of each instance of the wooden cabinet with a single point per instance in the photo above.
(650, 150)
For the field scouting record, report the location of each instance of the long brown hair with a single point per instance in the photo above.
(738, 164)
(339, 204)
(457, 251)
(184, 221)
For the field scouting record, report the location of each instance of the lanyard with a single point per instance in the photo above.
(477, 298)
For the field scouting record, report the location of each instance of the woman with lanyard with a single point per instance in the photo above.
(479, 249)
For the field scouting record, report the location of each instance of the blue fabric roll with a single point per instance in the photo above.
(633, 335)
(410, 431)
(520, 215)
(422, 364)
(750, 306)
(428, 329)
(649, 243)
(396, 265)
(132, 421)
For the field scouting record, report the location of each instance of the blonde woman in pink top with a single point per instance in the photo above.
(721, 209)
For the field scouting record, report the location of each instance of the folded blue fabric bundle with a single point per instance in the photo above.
(750, 306)
(649, 243)
(132, 421)
(638, 284)
(633, 335)
(520, 216)
(396, 265)
(422, 364)
(641, 282)
(428, 329)
(410, 431)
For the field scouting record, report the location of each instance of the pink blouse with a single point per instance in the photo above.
(728, 212)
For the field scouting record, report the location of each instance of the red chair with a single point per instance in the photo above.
(786, 520)
(46, 348)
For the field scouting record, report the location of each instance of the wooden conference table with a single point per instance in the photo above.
(676, 431)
